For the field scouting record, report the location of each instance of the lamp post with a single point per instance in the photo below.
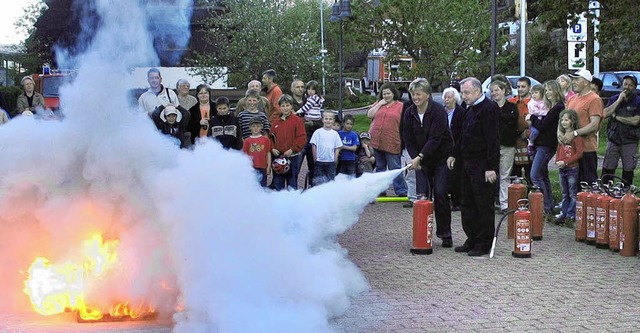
(323, 51)
(340, 12)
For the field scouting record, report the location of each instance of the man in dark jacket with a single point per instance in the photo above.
(426, 136)
(479, 152)
(623, 130)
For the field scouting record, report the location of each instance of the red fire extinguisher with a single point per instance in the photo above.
(581, 225)
(615, 209)
(522, 241)
(422, 227)
(516, 191)
(629, 228)
(536, 207)
(602, 219)
(590, 216)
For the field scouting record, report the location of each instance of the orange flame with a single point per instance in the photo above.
(55, 288)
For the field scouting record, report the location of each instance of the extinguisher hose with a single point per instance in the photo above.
(495, 236)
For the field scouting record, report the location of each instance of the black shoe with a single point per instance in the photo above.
(455, 208)
(478, 251)
(447, 242)
(463, 248)
(407, 204)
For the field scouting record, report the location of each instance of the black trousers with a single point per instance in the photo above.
(588, 167)
(478, 217)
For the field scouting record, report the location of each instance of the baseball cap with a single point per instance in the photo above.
(255, 120)
(170, 110)
(365, 135)
(583, 73)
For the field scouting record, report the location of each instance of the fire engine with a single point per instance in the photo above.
(381, 69)
(49, 82)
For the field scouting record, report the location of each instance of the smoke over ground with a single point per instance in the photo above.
(197, 234)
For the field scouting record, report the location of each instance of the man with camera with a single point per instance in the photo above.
(623, 130)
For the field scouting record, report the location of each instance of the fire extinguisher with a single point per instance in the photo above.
(581, 225)
(615, 219)
(590, 216)
(422, 227)
(629, 228)
(522, 241)
(536, 207)
(516, 191)
(602, 218)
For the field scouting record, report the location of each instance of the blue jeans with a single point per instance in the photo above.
(540, 174)
(433, 183)
(323, 172)
(348, 168)
(569, 184)
(261, 173)
(290, 179)
(390, 161)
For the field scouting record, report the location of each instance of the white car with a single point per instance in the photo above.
(513, 79)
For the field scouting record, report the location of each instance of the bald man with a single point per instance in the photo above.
(263, 104)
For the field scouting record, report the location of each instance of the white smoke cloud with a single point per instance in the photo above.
(196, 231)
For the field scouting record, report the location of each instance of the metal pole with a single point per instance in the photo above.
(595, 5)
(322, 50)
(523, 41)
(494, 19)
(341, 89)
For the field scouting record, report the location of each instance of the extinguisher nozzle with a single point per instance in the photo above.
(493, 247)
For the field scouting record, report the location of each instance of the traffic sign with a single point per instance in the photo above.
(577, 32)
(577, 54)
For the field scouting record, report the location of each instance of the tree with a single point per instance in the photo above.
(441, 36)
(35, 51)
(252, 36)
(619, 26)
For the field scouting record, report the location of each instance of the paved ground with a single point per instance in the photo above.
(565, 287)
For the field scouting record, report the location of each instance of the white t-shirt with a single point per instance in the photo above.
(326, 141)
(149, 100)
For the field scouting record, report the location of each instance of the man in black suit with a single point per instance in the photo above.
(479, 152)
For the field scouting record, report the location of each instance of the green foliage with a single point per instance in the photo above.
(38, 46)
(255, 35)
(441, 36)
(10, 95)
(619, 26)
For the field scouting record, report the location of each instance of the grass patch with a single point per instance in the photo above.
(362, 123)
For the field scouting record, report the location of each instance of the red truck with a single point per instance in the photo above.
(49, 83)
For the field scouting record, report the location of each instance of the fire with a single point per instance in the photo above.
(56, 288)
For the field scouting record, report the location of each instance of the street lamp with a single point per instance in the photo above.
(340, 12)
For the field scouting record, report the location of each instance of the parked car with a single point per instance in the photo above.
(513, 80)
(612, 83)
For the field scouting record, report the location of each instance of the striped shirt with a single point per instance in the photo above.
(245, 119)
(312, 109)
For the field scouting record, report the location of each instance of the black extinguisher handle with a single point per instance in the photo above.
(495, 235)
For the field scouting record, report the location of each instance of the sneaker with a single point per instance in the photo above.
(407, 204)
(447, 242)
(559, 221)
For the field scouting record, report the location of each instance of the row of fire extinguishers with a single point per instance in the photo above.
(607, 216)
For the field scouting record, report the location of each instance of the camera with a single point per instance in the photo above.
(204, 127)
